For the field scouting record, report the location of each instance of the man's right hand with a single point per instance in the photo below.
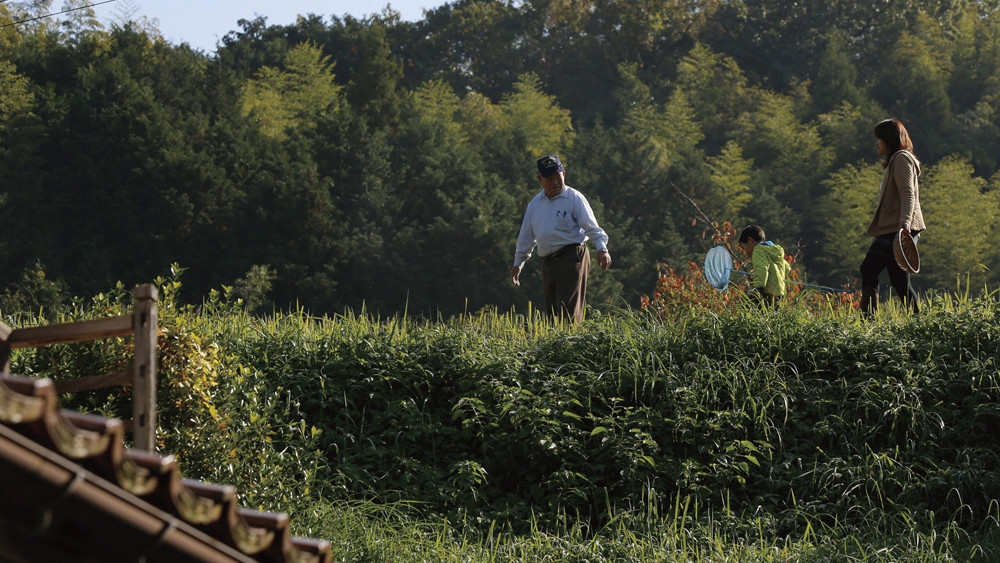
(515, 275)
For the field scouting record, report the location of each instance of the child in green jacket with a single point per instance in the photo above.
(769, 266)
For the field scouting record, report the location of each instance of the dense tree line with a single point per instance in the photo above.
(340, 163)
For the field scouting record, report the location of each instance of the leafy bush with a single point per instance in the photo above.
(819, 421)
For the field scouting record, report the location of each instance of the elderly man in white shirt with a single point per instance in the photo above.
(558, 222)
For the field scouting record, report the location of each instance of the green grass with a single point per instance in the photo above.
(372, 532)
(806, 434)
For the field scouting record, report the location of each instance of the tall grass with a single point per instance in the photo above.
(374, 532)
(804, 434)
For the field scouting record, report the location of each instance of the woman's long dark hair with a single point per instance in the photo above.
(895, 136)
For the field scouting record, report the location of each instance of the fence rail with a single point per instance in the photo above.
(142, 324)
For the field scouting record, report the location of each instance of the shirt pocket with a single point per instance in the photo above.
(565, 222)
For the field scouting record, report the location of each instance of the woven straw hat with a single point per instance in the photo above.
(905, 250)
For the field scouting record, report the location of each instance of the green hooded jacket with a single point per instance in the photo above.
(770, 268)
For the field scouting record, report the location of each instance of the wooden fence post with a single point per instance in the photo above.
(5, 332)
(144, 323)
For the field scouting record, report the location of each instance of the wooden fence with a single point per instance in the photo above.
(142, 323)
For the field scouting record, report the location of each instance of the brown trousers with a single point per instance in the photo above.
(564, 281)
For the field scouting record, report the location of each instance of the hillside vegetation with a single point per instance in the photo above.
(341, 162)
(741, 435)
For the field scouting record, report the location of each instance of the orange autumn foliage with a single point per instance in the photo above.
(678, 294)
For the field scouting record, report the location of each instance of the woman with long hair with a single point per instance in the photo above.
(898, 208)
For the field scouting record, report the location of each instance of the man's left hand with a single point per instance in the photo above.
(604, 259)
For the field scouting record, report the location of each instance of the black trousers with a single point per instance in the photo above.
(564, 281)
(880, 257)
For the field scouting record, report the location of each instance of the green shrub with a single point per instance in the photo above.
(815, 422)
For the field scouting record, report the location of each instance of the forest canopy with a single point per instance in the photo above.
(341, 163)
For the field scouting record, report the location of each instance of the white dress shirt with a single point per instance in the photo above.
(550, 224)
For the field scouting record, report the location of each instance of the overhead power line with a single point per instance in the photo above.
(36, 18)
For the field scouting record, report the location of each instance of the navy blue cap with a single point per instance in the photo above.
(549, 165)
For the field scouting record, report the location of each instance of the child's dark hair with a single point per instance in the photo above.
(752, 232)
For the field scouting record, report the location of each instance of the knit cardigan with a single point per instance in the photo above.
(899, 196)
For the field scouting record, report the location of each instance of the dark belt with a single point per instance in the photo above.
(559, 253)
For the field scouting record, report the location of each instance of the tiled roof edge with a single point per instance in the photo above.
(30, 407)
